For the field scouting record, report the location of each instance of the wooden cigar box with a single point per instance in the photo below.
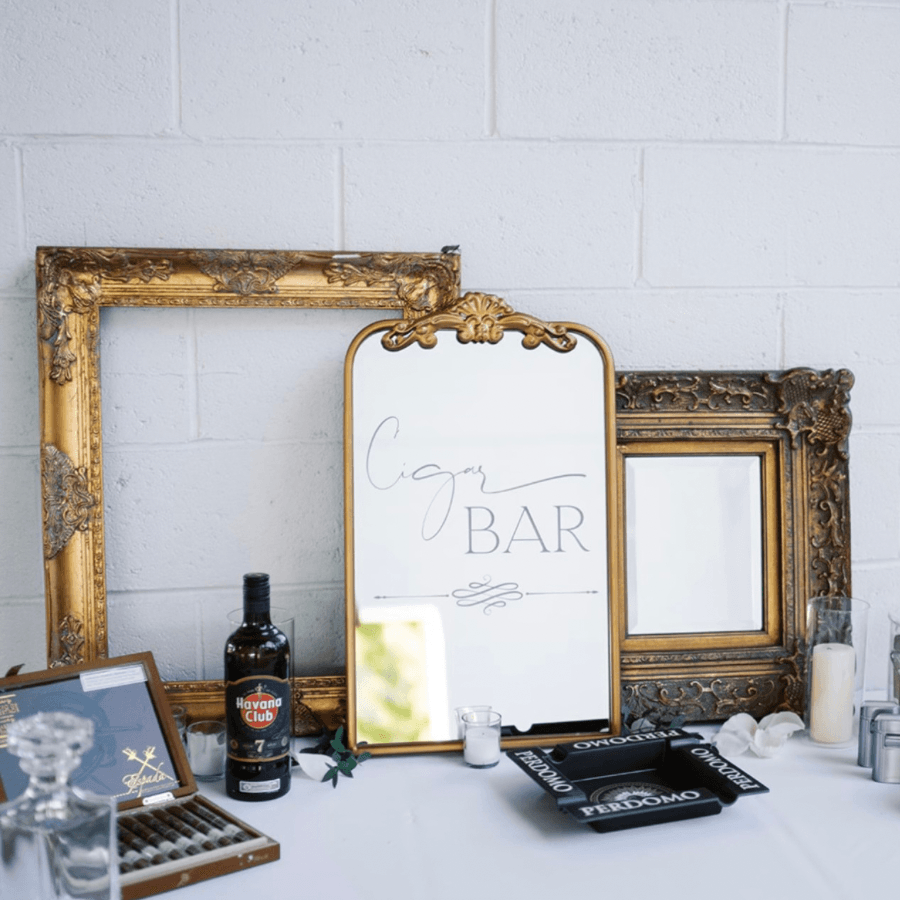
(138, 758)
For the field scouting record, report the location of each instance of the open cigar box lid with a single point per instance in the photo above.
(137, 752)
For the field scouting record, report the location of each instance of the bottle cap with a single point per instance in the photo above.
(256, 592)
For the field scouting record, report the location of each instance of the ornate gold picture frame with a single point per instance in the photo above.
(798, 423)
(73, 284)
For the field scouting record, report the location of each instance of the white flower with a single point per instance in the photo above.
(741, 732)
(313, 765)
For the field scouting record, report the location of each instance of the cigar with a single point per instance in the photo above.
(168, 834)
(129, 859)
(189, 833)
(231, 830)
(130, 839)
(221, 839)
(167, 848)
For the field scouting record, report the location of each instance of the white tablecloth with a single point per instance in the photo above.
(426, 826)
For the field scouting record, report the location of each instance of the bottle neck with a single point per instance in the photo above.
(256, 613)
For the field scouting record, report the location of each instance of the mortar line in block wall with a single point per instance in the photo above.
(639, 196)
(199, 444)
(340, 200)
(781, 335)
(490, 69)
(217, 589)
(553, 141)
(783, 87)
(875, 565)
(19, 451)
(879, 429)
(175, 40)
(711, 291)
(21, 220)
(192, 376)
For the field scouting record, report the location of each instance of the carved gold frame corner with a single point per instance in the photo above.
(802, 417)
(73, 284)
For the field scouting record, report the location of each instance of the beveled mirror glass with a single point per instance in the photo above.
(480, 496)
(693, 544)
(734, 509)
(74, 285)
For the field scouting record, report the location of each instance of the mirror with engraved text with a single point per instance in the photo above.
(479, 530)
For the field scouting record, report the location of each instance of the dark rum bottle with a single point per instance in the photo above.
(257, 701)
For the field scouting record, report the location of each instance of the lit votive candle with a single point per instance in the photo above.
(831, 693)
(481, 747)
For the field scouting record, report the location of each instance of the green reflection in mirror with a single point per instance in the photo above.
(392, 695)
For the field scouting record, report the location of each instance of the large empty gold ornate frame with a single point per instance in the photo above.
(72, 286)
(797, 423)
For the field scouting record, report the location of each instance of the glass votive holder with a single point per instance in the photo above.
(836, 630)
(481, 742)
(893, 691)
(179, 714)
(206, 749)
(460, 712)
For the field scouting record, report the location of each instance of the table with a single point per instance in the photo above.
(426, 826)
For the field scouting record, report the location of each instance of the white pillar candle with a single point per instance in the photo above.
(831, 693)
(482, 747)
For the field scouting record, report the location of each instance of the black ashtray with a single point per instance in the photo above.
(637, 779)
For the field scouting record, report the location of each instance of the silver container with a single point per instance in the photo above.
(867, 713)
(886, 742)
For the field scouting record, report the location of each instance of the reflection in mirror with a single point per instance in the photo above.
(478, 536)
(693, 526)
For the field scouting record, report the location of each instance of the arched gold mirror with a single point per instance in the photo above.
(480, 529)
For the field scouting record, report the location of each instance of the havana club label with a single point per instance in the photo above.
(258, 712)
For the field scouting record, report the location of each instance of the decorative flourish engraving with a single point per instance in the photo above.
(814, 405)
(691, 391)
(67, 502)
(485, 595)
(478, 318)
(69, 642)
(70, 281)
(319, 703)
(702, 700)
(793, 681)
(425, 286)
(246, 272)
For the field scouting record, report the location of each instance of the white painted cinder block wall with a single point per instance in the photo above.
(706, 183)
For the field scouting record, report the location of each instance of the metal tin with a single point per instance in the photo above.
(886, 741)
(867, 713)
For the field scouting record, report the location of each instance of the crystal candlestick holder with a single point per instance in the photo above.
(56, 842)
